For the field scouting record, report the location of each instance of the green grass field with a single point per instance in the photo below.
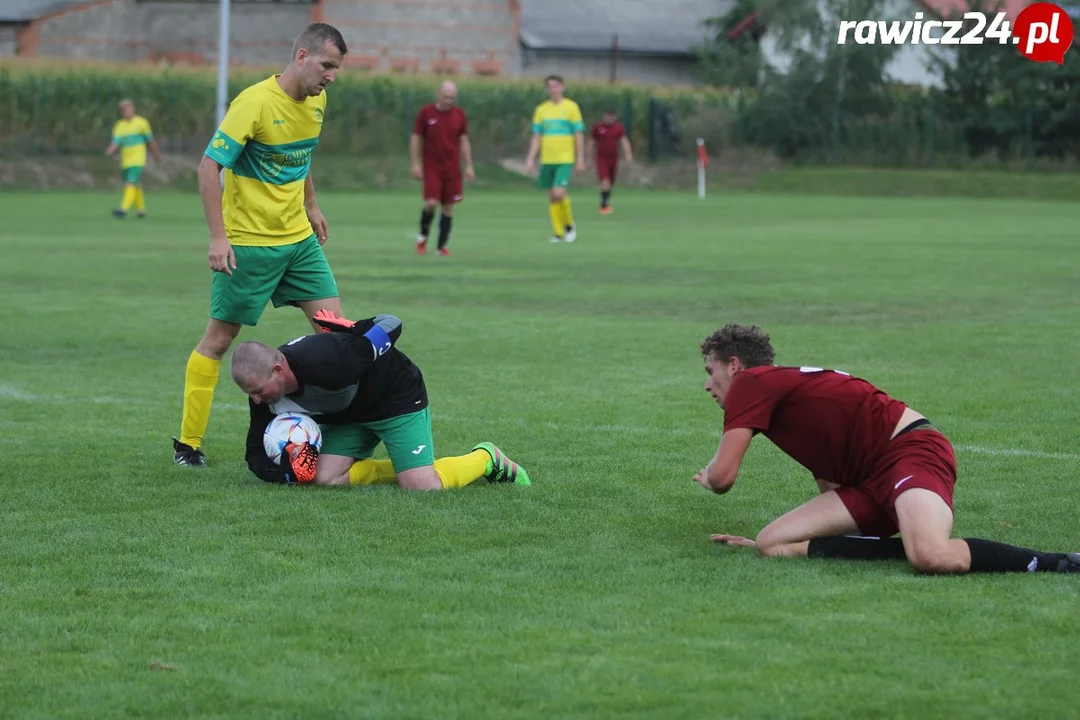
(131, 588)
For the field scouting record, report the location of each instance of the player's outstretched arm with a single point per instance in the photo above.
(221, 256)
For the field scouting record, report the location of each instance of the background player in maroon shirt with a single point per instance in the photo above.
(443, 130)
(605, 139)
(881, 467)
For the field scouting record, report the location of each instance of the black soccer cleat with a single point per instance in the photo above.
(1069, 564)
(186, 455)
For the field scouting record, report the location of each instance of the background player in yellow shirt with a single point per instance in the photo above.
(559, 136)
(131, 135)
(266, 229)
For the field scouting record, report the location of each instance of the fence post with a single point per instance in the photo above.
(930, 123)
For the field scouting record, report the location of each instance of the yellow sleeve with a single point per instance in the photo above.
(116, 132)
(239, 125)
(577, 123)
(537, 120)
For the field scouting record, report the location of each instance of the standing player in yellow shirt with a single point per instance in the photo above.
(266, 229)
(132, 136)
(559, 136)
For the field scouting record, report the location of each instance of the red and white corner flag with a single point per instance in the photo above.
(703, 162)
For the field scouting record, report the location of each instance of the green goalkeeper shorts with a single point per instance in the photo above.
(407, 438)
(282, 274)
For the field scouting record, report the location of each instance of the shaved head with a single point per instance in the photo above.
(253, 361)
(446, 96)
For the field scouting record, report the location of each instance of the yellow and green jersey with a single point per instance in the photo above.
(265, 143)
(132, 136)
(557, 124)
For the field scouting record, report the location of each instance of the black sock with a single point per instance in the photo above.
(444, 230)
(426, 216)
(605, 198)
(857, 548)
(990, 556)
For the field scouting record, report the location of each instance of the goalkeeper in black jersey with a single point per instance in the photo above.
(362, 390)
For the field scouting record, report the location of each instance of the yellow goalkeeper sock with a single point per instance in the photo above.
(566, 214)
(129, 197)
(457, 472)
(140, 200)
(199, 383)
(369, 472)
(556, 213)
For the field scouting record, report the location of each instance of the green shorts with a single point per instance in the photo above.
(555, 175)
(407, 438)
(131, 175)
(284, 274)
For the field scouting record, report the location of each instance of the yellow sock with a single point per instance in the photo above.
(457, 472)
(556, 213)
(567, 215)
(369, 472)
(199, 383)
(129, 197)
(140, 200)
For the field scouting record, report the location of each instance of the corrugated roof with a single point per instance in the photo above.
(26, 10)
(648, 26)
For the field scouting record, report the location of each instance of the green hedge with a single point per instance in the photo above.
(58, 109)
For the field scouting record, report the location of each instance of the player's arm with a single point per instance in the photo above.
(311, 207)
(722, 470)
(255, 453)
(628, 152)
(237, 127)
(152, 145)
(466, 154)
(577, 126)
(366, 340)
(112, 147)
(590, 147)
(534, 141)
(414, 155)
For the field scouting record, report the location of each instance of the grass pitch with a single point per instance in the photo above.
(130, 588)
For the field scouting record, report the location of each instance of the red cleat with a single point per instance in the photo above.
(443, 252)
(421, 245)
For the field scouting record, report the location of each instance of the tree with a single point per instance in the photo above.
(731, 58)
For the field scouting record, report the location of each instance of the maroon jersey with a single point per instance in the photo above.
(442, 133)
(835, 425)
(607, 138)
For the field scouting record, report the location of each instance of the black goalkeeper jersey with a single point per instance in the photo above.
(339, 383)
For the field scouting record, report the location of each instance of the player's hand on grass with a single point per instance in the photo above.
(318, 224)
(330, 321)
(702, 478)
(733, 540)
(417, 172)
(222, 258)
(470, 174)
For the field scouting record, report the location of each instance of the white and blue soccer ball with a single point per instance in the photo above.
(288, 428)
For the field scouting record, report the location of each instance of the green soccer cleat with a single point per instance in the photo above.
(501, 469)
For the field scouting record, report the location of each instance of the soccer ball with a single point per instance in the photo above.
(290, 428)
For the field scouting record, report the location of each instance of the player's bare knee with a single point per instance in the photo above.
(935, 560)
(447, 210)
(217, 339)
(422, 478)
(430, 205)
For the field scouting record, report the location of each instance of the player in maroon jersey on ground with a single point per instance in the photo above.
(881, 467)
(605, 139)
(442, 128)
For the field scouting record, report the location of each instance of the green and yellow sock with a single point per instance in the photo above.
(199, 383)
(556, 212)
(457, 472)
(568, 216)
(370, 472)
(129, 197)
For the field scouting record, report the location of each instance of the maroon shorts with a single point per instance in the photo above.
(443, 184)
(607, 167)
(920, 458)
